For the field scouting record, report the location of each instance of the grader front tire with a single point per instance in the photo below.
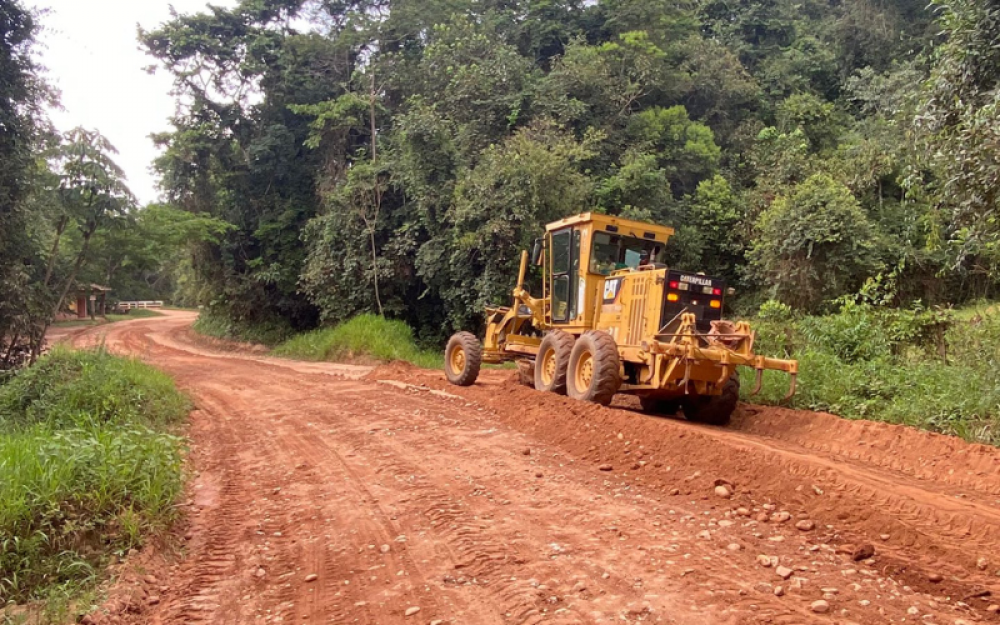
(463, 358)
(714, 409)
(552, 361)
(594, 369)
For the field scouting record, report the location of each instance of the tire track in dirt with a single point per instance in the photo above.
(210, 577)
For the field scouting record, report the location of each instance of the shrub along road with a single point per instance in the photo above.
(335, 494)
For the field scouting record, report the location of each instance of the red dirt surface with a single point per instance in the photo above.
(335, 494)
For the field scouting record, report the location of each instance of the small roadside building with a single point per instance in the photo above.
(90, 300)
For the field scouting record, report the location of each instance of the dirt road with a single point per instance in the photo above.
(336, 494)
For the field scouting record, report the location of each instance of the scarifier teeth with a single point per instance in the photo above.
(791, 389)
(759, 383)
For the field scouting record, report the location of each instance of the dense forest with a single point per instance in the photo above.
(394, 156)
(333, 157)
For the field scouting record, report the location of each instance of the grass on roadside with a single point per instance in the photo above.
(877, 364)
(89, 466)
(135, 313)
(365, 336)
(217, 326)
(138, 313)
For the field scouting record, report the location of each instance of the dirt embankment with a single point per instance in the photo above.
(324, 495)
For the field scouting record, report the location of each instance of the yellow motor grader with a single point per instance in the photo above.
(612, 319)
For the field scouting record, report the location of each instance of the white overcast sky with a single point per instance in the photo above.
(93, 58)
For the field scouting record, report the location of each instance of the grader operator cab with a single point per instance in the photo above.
(614, 319)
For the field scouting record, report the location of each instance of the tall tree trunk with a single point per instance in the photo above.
(378, 298)
(63, 221)
(72, 275)
(377, 192)
(39, 338)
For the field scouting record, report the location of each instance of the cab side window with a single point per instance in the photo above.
(565, 274)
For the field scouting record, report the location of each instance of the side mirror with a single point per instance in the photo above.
(536, 252)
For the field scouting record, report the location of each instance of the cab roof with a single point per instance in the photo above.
(616, 225)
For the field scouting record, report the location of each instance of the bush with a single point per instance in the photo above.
(364, 336)
(814, 243)
(915, 367)
(88, 467)
(70, 389)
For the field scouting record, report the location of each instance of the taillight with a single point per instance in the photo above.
(716, 304)
(674, 284)
(673, 297)
(716, 291)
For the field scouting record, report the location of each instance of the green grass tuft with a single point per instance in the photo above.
(365, 336)
(88, 467)
(135, 313)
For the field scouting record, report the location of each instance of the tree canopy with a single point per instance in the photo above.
(395, 156)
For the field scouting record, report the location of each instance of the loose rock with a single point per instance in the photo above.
(312, 577)
(526, 452)
(723, 491)
(605, 467)
(411, 611)
(863, 552)
(779, 591)
(935, 578)
(784, 572)
(820, 606)
(805, 525)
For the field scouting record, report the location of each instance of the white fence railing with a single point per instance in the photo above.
(149, 304)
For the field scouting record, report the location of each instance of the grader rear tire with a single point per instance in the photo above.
(552, 361)
(463, 358)
(594, 368)
(714, 409)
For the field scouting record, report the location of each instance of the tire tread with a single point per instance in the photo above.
(562, 344)
(607, 367)
(473, 359)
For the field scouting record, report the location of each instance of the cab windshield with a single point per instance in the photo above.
(612, 252)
